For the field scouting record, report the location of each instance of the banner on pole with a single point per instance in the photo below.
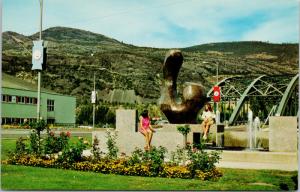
(217, 94)
(93, 97)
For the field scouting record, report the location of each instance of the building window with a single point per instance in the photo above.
(26, 99)
(13, 99)
(50, 121)
(19, 99)
(8, 98)
(50, 105)
(3, 98)
(8, 121)
(22, 99)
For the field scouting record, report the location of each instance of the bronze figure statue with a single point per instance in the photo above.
(194, 97)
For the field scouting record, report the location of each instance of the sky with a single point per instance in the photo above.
(162, 23)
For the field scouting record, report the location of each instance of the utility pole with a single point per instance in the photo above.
(94, 103)
(217, 110)
(217, 72)
(39, 72)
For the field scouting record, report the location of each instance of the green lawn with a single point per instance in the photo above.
(31, 178)
(7, 144)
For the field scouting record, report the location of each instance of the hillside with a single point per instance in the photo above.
(117, 65)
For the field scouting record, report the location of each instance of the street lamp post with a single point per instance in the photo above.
(217, 110)
(94, 97)
(39, 72)
(94, 103)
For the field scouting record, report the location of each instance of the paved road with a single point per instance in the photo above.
(11, 133)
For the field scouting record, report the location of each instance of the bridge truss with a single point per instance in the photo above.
(264, 95)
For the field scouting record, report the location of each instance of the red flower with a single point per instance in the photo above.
(68, 134)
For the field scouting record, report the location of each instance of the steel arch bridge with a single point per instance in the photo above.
(264, 95)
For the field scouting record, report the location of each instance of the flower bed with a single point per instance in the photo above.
(119, 166)
(56, 152)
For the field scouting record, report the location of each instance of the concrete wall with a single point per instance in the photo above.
(283, 135)
(128, 138)
(241, 139)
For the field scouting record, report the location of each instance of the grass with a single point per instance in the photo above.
(9, 144)
(32, 178)
(15, 177)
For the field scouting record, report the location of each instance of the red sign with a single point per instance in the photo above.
(217, 94)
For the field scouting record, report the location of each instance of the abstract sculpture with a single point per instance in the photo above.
(194, 98)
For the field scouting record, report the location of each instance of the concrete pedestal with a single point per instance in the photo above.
(128, 137)
(283, 134)
(220, 135)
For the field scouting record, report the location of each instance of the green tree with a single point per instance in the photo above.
(184, 130)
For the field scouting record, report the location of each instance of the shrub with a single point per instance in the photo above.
(112, 145)
(73, 153)
(202, 160)
(184, 130)
(55, 144)
(20, 146)
(212, 174)
(175, 172)
(34, 142)
(154, 158)
(179, 157)
(37, 127)
(96, 150)
(185, 162)
(119, 166)
(136, 157)
(31, 160)
(197, 161)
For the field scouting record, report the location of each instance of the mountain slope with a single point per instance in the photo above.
(74, 56)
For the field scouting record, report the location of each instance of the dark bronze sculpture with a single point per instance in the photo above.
(194, 97)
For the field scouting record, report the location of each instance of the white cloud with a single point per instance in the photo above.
(277, 31)
(165, 23)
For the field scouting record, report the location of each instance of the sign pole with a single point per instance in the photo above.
(94, 103)
(217, 110)
(39, 72)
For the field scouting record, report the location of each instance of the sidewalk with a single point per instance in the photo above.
(285, 161)
(247, 165)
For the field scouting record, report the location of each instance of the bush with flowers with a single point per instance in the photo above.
(55, 144)
(186, 162)
(175, 171)
(73, 153)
